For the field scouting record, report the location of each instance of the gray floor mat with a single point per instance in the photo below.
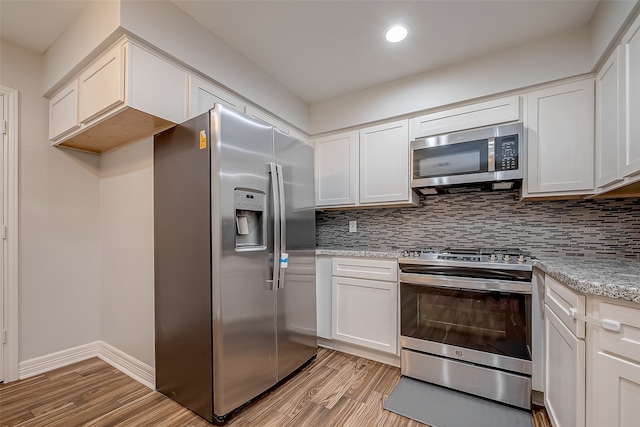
(442, 407)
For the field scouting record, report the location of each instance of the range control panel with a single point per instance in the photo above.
(506, 152)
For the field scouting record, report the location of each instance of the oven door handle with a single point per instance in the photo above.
(484, 285)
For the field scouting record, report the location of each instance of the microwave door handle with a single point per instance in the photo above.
(491, 160)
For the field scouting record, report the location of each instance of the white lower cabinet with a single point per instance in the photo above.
(592, 373)
(564, 394)
(564, 372)
(613, 373)
(323, 296)
(364, 303)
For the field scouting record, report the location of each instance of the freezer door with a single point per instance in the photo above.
(244, 338)
(296, 295)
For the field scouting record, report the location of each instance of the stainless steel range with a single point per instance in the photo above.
(465, 317)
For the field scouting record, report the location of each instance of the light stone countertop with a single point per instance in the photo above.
(357, 253)
(613, 278)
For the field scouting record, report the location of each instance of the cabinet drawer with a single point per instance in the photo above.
(374, 269)
(626, 342)
(470, 116)
(561, 300)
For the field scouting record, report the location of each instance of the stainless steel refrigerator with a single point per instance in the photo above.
(235, 309)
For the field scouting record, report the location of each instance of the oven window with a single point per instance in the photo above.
(452, 159)
(492, 322)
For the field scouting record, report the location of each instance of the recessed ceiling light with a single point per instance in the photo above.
(397, 33)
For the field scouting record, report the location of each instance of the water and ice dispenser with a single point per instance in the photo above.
(250, 219)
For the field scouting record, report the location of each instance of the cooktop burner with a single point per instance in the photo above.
(485, 257)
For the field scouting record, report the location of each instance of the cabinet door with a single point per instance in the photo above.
(560, 122)
(470, 116)
(203, 95)
(63, 111)
(336, 164)
(384, 163)
(564, 394)
(323, 296)
(630, 147)
(618, 383)
(607, 127)
(156, 86)
(365, 313)
(101, 85)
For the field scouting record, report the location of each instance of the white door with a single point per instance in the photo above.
(561, 138)
(630, 149)
(618, 382)
(384, 163)
(336, 166)
(564, 385)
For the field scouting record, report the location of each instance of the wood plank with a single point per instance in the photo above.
(336, 389)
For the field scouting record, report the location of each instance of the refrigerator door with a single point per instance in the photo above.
(296, 295)
(244, 337)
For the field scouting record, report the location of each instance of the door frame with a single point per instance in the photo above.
(9, 322)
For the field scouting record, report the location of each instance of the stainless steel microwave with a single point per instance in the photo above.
(485, 155)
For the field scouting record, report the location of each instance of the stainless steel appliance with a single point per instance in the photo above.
(234, 260)
(465, 317)
(492, 156)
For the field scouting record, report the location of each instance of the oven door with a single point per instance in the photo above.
(482, 321)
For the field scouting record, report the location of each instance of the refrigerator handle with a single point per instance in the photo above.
(273, 170)
(284, 256)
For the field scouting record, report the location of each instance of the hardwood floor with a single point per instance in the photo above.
(336, 389)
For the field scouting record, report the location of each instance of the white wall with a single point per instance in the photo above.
(606, 25)
(93, 29)
(170, 29)
(126, 235)
(59, 288)
(552, 58)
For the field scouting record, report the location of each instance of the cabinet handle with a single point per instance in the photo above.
(606, 324)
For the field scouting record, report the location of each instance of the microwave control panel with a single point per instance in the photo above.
(506, 152)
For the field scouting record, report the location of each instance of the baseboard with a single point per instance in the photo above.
(120, 360)
(356, 350)
(127, 364)
(59, 359)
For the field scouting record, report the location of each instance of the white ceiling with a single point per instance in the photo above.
(324, 49)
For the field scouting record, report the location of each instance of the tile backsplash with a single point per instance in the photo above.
(603, 228)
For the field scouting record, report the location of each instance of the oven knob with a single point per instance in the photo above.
(506, 257)
(493, 257)
(416, 253)
(405, 254)
(521, 258)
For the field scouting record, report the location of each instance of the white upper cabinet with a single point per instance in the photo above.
(607, 123)
(101, 84)
(336, 164)
(369, 167)
(481, 114)
(560, 133)
(203, 95)
(156, 86)
(384, 163)
(126, 93)
(63, 111)
(630, 104)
